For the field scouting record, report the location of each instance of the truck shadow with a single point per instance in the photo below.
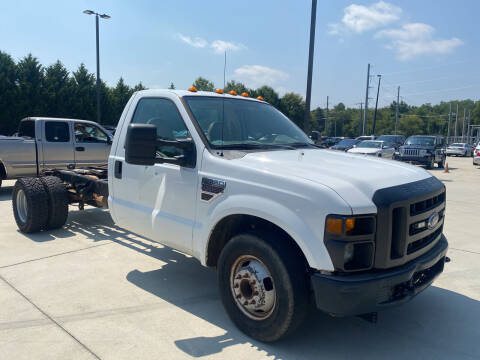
(438, 324)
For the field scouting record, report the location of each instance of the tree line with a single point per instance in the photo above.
(27, 88)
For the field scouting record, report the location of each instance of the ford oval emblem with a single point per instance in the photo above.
(433, 220)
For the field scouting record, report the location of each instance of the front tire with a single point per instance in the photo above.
(441, 164)
(30, 205)
(263, 286)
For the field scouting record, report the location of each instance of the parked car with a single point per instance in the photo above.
(111, 129)
(346, 144)
(374, 147)
(459, 149)
(476, 155)
(365, 137)
(284, 224)
(424, 150)
(397, 140)
(43, 143)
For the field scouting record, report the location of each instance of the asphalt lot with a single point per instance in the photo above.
(93, 290)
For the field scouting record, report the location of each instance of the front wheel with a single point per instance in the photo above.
(263, 286)
(441, 164)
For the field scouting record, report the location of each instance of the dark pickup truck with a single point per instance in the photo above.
(423, 150)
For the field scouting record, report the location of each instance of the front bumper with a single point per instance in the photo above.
(347, 295)
(454, 152)
(415, 159)
(476, 160)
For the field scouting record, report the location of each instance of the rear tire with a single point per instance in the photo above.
(57, 202)
(30, 205)
(441, 164)
(288, 280)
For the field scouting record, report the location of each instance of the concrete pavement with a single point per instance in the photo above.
(93, 290)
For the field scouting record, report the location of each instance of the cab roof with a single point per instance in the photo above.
(182, 93)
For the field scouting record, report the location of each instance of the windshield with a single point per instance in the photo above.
(390, 138)
(232, 123)
(420, 140)
(370, 144)
(458, 145)
(347, 142)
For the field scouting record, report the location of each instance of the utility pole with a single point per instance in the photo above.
(376, 105)
(456, 121)
(361, 109)
(396, 110)
(468, 127)
(449, 122)
(326, 119)
(463, 125)
(306, 121)
(366, 101)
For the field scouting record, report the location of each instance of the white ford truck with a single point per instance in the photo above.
(234, 183)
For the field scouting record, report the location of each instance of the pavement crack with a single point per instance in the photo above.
(49, 317)
(54, 255)
(468, 251)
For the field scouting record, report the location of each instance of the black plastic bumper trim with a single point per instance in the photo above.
(348, 295)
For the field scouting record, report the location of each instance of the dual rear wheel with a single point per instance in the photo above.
(40, 204)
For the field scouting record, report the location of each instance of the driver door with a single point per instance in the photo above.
(157, 201)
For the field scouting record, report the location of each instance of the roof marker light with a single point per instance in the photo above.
(219, 91)
(260, 98)
(232, 92)
(244, 94)
(192, 89)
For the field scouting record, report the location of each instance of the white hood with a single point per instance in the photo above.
(364, 150)
(354, 178)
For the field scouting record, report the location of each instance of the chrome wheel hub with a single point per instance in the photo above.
(252, 287)
(22, 207)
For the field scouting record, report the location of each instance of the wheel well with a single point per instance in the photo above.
(233, 225)
(3, 172)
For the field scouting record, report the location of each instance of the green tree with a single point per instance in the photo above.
(8, 94)
(172, 86)
(203, 84)
(139, 87)
(236, 86)
(293, 106)
(84, 94)
(120, 96)
(30, 84)
(58, 91)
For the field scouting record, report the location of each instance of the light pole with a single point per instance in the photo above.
(103, 16)
(306, 121)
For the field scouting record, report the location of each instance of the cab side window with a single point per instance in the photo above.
(57, 131)
(162, 113)
(87, 133)
(27, 129)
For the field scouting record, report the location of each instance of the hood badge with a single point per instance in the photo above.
(212, 188)
(433, 220)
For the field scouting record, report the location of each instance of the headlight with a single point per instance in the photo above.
(350, 241)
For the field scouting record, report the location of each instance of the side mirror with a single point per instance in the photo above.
(141, 144)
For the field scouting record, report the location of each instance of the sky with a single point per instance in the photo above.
(429, 48)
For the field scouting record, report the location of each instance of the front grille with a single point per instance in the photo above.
(411, 152)
(426, 205)
(403, 216)
(425, 241)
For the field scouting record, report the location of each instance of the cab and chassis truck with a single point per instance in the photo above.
(233, 182)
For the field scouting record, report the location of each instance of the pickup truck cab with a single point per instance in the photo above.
(43, 143)
(234, 183)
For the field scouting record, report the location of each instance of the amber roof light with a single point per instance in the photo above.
(260, 98)
(244, 94)
(219, 91)
(232, 92)
(192, 89)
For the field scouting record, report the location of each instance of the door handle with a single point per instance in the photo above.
(118, 169)
(79, 148)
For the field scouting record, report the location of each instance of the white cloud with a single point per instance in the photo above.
(258, 75)
(195, 42)
(416, 39)
(220, 46)
(360, 18)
